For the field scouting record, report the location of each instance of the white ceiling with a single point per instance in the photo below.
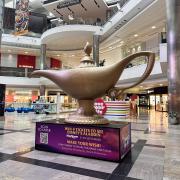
(69, 37)
(92, 10)
(141, 24)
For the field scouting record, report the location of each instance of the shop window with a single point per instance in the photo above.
(55, 63)
(26, 61)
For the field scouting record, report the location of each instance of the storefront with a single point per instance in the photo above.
(66, 102)
(20, 97)
(158, 99)
(144, 100)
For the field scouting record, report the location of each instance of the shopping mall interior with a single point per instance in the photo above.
(49, 78)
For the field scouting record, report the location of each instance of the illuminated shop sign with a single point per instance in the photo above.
(66, 3)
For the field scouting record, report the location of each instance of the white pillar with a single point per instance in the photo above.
(58, 103)
(43, 57)
(96, 49)
(2, 2)
(173, 15)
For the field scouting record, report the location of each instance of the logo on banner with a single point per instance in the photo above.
(100, 106)
(22, 17)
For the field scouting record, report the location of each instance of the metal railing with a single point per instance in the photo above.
(23, 72)
(17, 72)
(120, 2)
(139, 61)
(98, 22)
(78, 20)
(115, 10)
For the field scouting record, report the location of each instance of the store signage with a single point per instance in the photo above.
(82, 140)
(100, 106)
(67, 3)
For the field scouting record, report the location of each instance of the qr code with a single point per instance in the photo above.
(44, 138)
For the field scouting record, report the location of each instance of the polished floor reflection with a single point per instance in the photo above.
(155, 153)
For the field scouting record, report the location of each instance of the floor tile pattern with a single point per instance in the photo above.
(155, 152)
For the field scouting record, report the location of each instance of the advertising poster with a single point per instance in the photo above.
(125, 138)
(21, 17)
(100, 106)
(87, 141)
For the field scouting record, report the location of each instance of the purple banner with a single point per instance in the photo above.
(96, 142)
(125, 140)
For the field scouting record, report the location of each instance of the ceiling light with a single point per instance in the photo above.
(148, 87)
(141, 86)
(161, 84)
(51, 14)
(26, 52)
(136, 35)
(57, 55)
(150, 91)
(71, 17)
(9, 50)
(153, 27)
(110, 47)
(72, 55)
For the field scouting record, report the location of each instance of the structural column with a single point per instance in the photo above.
(43, 57)
(58, 103)
(173, 20)
(14, 4)
(96, 49)
(42, 90)
(2, 2)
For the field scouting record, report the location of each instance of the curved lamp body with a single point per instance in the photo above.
(87, 84)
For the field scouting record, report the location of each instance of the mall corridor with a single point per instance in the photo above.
(89, 89)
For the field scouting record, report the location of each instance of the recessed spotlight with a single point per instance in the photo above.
(72, 55)
(153, 27)
(135, 35)
(57, 55)
(26, 52)
(161, 84)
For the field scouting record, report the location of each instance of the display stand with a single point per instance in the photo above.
(108, 142)
(41, 108)
(117, 109)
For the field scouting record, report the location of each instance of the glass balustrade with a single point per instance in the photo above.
(17, 72)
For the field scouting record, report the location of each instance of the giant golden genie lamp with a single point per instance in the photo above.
(86, 83)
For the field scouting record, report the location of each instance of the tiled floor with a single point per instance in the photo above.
(155, 153)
